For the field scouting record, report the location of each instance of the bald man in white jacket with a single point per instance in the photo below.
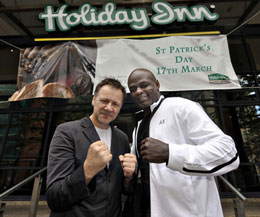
(185, 150)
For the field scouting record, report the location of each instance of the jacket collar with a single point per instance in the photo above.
(139, 115)
(156, 103)
(89, 129)
(92, 135)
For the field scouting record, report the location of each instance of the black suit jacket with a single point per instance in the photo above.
(67, 192)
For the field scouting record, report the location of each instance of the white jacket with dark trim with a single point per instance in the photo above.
(198, 151)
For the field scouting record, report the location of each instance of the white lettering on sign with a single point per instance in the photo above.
(166, 13)
(137, 18)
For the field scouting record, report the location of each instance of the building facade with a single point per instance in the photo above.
(27, 126)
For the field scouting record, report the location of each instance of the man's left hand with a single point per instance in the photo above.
(154, 150)
(128, 163)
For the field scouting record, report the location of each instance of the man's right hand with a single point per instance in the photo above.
(97, 158)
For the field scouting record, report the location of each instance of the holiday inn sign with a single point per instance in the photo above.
(136, 18)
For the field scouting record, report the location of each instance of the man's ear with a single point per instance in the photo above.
(157, 84)
(93, 100)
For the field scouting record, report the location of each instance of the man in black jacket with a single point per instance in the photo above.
(89, 163)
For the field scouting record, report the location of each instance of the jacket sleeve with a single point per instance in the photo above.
(208, 152)
(66, 184)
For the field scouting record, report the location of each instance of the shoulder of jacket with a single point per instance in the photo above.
(119, 132)
(178, 101)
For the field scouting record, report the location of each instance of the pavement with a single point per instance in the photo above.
(21, 208)
(252, 207)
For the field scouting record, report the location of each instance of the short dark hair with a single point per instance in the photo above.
(111, 82)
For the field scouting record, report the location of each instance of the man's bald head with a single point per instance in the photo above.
(143, 71)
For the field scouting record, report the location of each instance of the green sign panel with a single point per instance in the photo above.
(136, 18)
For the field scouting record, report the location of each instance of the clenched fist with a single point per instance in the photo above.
(128, 163)
(154, 150)
(97, 158)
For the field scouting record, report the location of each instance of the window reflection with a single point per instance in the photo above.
(249, 122)
(33, 103)
(23, 144)
(247, 80)
(69, 116)
(238, 95)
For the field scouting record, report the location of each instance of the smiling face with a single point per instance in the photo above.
(106, 104)
(144, 88)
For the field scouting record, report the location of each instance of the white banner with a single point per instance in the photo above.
(178, 62)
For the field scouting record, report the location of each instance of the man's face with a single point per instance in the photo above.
(107, 104)
(144, 88)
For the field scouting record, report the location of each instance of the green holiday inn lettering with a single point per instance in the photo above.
(136, 18)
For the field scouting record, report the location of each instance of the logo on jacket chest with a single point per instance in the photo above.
(162, 121)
